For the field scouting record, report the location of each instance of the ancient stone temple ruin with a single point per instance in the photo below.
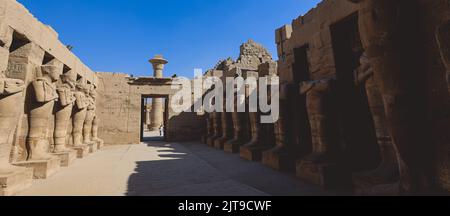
(364, 100)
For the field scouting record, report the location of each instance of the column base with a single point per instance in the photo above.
(210, 140)
(93, 147)
(15, 182)
(382, 181)
(66, 157)
(280, 160)
(232, 147)
(253, 153)
(327, 175)
(82, 151)
(42, 169)
(219, 143)
(100, 144)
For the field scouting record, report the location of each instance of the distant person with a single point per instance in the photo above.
(161, 130)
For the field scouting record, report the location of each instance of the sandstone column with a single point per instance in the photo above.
(239, 138)
(80, 111)
(322, 166)
(157, 117)
(87, 125)
(209, 127)
(227, 129)
(389, 32)
(388, 170)
(12, 178)
(443, 36)
(254, 149)
(284, 154)
(217, 130)
(64, 107)
(95, 122)
(63, 111)
(41, 109)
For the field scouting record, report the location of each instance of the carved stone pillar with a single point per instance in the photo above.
(64, 106)
(41, 110)
(157, 114)
(217, 130)
(322, 166)
(209, 127)
(388, 170)
(443, 36)
(80, 111)
(227, 129)
(239, 138)
(279, 157)
(87, 125)
(389, 34)
(284, 154)
(95, 138)
(95, 122)
(439, 14)
(12, 178)
(63, 112)
(260, 140)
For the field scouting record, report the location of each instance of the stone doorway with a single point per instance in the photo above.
(356, 128)
(154, 117)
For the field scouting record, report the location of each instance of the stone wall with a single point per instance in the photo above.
(120, 109)
(324, 36)
(33, 44)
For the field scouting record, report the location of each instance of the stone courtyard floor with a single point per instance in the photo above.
(156, 168)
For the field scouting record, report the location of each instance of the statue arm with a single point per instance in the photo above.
(305, 87)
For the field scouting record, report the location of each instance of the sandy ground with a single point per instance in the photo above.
(157, 168)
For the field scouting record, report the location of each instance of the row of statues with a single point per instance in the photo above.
(51, 92)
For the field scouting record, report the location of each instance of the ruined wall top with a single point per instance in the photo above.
(252, 55)
(16, 16)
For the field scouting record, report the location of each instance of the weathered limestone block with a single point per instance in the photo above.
(388, 170)
(389, 35)
(12, 178)
(322, 167)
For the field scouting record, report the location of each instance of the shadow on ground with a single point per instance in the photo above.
(193, 169)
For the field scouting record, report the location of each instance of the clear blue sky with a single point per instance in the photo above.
(121, 35)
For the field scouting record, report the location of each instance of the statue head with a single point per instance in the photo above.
(68, 79)
(51, 71)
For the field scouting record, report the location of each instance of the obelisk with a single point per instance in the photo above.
(157, 113)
